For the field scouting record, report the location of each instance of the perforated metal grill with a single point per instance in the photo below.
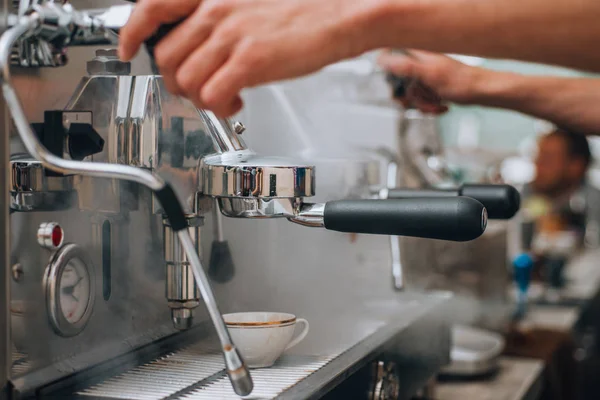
(162, 377)
(196, 372)
(20, 363)
(268, 382)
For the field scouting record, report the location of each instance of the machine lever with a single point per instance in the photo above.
(501, 201)
(457, 219)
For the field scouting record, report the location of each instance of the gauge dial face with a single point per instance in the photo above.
(74, 287)
(70, 290)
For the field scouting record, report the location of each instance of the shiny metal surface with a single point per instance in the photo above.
(32, 190)
(310, 215)
(27, 175)
(238, 127)
(181, 290)
(68, 254)
(247, 175)
(49, 160)
(227, 133)
(390, 183)
(107, 62)
(60, 25)
(270, 382)
(257, 208)
(162, 377)
(35, 23)
(45, 235)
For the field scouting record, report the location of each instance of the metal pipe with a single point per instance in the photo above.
(237, 371)
(397, 272)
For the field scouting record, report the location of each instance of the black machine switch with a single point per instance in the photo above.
(84, 141)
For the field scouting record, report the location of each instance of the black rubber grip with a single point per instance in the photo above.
(172, 208)
(501, 201)
(458, 219)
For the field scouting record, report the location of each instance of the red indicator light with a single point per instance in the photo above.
(57, 236)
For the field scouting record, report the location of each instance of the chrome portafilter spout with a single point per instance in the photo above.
(35, 23)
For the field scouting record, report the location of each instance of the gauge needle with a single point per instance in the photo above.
(69, 289)
(78, 280)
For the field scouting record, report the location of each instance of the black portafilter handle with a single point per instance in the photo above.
(501, 201)
(458, 219)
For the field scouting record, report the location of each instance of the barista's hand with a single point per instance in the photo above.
(447, 78)
(224, 46)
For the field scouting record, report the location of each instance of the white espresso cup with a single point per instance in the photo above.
(261, 337)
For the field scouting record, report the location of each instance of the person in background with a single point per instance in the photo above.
(559, 204)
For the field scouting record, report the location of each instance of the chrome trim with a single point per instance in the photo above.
(244, 174)
(181, 289)
(44, 235)
(59, 261)
(32, 190)
(236, 207)
(310, 215)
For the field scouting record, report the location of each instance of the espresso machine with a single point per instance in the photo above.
(108, 199)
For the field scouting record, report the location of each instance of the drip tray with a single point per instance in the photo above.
(268, 382)
(197, 372)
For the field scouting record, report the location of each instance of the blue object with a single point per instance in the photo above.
(522, 266)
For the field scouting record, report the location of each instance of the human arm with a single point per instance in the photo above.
(224, 46)
(570, 103)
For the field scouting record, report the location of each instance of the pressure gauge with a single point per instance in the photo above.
(70, 290)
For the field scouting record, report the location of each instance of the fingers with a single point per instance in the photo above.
(146, 18)
(176, 47)
(397, 64)
(221, 92)
(197, 69)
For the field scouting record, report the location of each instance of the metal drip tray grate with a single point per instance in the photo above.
(163, 377)
(197, 372)
(268, 382)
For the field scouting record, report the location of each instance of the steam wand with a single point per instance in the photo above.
(36, 23)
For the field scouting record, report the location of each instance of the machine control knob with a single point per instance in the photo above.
(84, 141)
(50, 235)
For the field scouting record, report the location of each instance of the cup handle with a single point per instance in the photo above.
(302, 334)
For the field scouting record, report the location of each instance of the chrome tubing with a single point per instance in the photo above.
(236, 369)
